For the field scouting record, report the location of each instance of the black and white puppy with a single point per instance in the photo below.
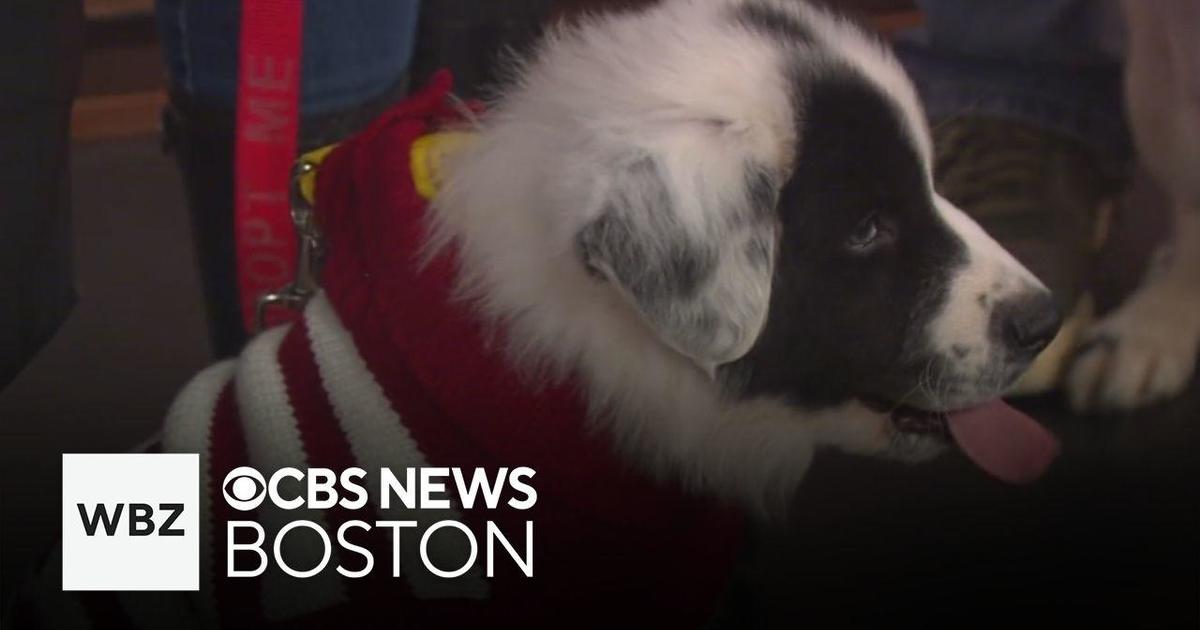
(720, 216)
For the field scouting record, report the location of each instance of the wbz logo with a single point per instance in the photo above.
(141, 519)
(131, 522)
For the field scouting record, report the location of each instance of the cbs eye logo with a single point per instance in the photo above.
(244, 488)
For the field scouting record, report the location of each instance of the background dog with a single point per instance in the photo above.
(1146, 350)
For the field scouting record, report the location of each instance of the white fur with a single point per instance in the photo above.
(960, 332)
(703, 95)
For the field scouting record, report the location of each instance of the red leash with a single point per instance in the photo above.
(268, 123)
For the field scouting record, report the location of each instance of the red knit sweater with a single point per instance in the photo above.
(386, 369)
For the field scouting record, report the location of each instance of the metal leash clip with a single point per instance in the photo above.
(297, 293)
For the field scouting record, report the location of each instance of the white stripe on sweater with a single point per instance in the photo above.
(188, 429)
(378, 439)
(273, 442)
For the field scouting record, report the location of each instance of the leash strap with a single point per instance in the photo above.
(268, 122)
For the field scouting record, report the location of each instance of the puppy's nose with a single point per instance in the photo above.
(1027, 323)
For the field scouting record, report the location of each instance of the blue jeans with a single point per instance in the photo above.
(353, 51)
(356, 57)
(1051, 63)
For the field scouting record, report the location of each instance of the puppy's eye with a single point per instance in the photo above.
(870, 233)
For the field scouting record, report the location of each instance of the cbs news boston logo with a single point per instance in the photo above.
(131, 522)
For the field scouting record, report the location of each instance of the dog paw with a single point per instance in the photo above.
(857, 429)
(1142, 353)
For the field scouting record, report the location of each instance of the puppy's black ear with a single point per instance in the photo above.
(696, 260)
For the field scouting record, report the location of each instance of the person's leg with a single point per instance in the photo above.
(40, 51)
(355, 61)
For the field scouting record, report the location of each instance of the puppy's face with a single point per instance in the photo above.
(806, 256)
(882, 290)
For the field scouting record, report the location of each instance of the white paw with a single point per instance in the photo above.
(853, 428)
(859, 430)
(1142, 353)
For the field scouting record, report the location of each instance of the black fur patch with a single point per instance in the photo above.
(843, 324)
(769, 20)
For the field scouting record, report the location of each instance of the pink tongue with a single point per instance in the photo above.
(1006, 443)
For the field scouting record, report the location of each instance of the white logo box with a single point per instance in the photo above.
(121, 562)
